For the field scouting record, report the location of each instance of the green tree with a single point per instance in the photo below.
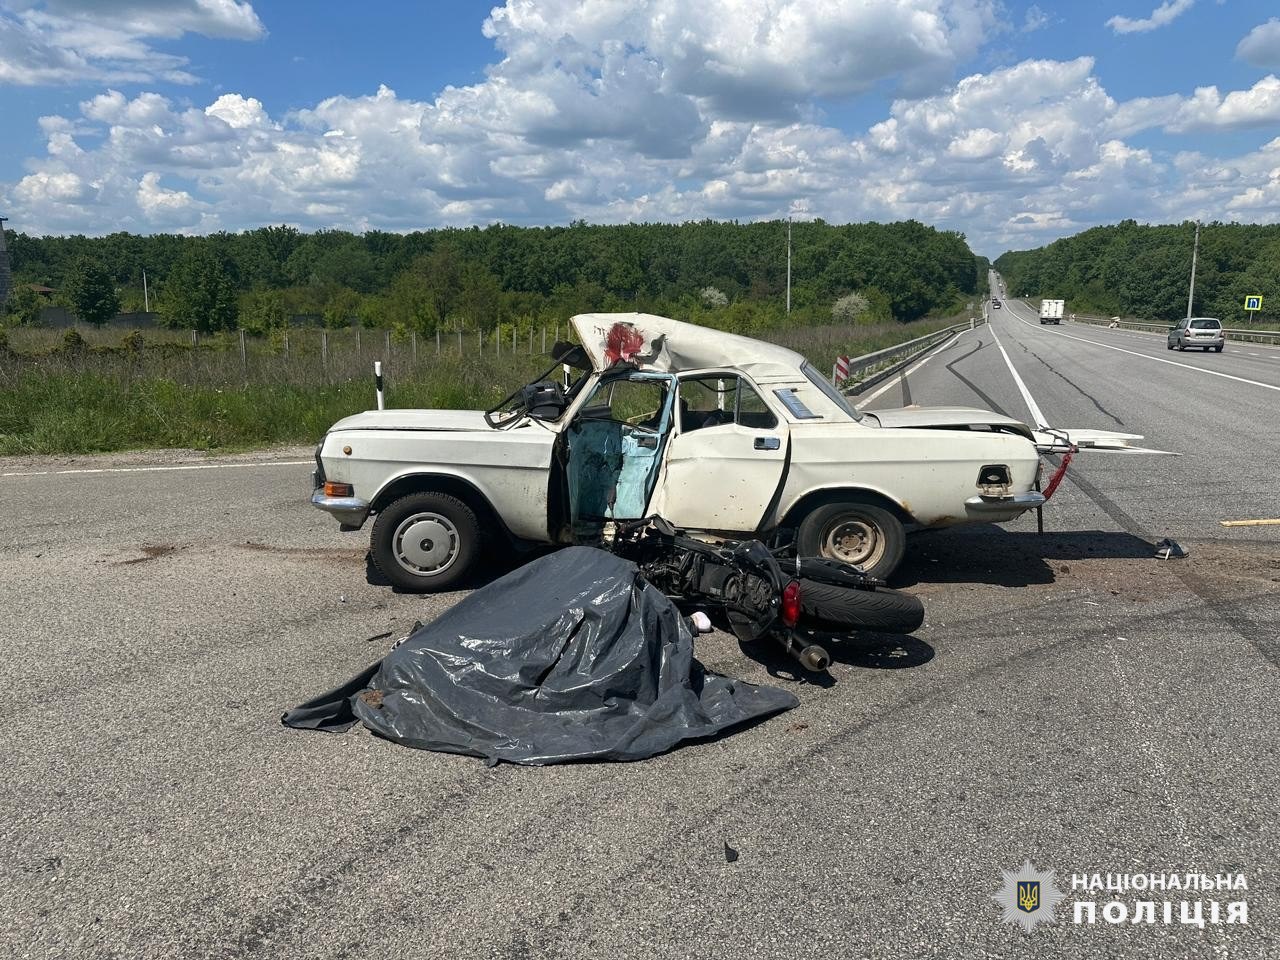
(91, 292)
(24, 306)
(262, 311)
(199, 294)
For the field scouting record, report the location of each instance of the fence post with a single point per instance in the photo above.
(413, 339)
(544, 339)
(386, 345)
(358, 351)
(244, 357)
(437, 341)
(286, 344)
(531, 341)
(324, 347)
(480, 341)
(497, 341)
(513, 339)
(194, 340)
(459, 341)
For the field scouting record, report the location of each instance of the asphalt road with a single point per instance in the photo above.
(1071, 700)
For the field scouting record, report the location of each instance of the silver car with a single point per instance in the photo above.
(1203, 332)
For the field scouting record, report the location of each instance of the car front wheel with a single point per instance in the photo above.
(860, 534)
(426, 541)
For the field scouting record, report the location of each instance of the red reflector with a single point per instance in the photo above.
(332, 489)
(791, 603)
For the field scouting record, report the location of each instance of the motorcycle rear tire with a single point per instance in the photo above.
(834, 609)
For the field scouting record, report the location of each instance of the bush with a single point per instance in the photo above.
(133, 342)
(713, 297)
(849, 308)
(72, 341)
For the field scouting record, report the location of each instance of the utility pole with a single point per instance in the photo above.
(6, 278)
(788, 264)
(1195, 250)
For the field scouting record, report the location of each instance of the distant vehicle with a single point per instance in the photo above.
(1051, 311)
(1203, 332)
(995, 304)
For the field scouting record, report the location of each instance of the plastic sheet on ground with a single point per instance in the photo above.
(572, 657)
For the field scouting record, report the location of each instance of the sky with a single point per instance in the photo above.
(1014, 123)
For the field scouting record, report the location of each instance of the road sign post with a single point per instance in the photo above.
(1252, 305)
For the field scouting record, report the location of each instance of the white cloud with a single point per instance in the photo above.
(52, 42)
(1207, 109)
(1162, 15)
(1261, 47)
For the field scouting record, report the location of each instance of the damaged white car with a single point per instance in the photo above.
(715, 432)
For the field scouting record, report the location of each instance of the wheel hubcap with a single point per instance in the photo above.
(853, 541)
(426, 544)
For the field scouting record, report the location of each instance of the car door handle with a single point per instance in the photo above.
(767, 443)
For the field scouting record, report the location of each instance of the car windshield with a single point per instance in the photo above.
(830, 392)
(1205, 324)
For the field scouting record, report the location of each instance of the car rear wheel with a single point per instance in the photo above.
(859, 534)
(426, 541)
(1218, 348)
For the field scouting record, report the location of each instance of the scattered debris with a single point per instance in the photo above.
(1250, 523)
(1167, 549)
(379, 636)
(730, 854)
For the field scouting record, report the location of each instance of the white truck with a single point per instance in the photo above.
(715, 432)
(1051, 311)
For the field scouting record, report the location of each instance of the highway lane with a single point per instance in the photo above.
(1225, 431)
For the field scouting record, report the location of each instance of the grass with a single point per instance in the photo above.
(101, 398)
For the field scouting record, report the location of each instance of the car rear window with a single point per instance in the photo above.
(1204, 323)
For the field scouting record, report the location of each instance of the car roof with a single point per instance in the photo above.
(673, 346)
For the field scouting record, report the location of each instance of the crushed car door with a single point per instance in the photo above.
(727, 458)
(614, 449)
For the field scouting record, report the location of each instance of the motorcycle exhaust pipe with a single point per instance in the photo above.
(810, 656)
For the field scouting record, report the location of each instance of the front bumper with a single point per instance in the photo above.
(350, 511)
(1005, 507)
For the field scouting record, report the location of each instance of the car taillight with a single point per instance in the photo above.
(332, 489)
(791, 603)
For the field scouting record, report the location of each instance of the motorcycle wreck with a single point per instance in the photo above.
(766, 593)
(587, 653)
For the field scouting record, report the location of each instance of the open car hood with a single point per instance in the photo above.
(945, 418)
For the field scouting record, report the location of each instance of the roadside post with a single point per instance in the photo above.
(840, 372)
(1252, 305)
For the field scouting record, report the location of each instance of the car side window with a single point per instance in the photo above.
(713, 401)
(752, 410)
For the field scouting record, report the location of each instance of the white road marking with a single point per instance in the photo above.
(187, 466)
(905, 373)
(1036, 414)
(1147, 356)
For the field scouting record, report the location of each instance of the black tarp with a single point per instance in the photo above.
(571, 657)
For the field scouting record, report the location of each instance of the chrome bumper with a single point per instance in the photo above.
(1013, 504)
(350, 511)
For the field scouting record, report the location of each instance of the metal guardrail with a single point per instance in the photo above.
(1243, 336)
(904, 353)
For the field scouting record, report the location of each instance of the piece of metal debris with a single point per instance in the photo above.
(1170, 549)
